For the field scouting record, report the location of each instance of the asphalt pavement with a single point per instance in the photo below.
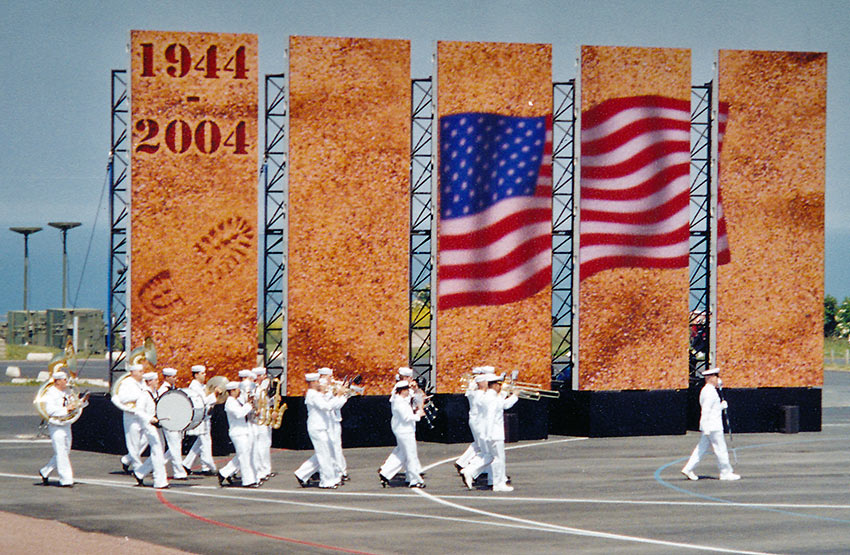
(608, 495)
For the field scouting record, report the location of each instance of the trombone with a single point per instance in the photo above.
(528, 390)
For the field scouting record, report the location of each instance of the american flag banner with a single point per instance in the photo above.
(495, 230)
(724, 256)
(635, 162)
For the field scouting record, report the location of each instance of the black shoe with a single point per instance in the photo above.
(254, 485)
(329, 487)
(420, 485)
(301, 482)
(125, 467)
(221, 480)
(229, 480)
(459, 469)
(507, 480)
(188, 470)
(384, 481)
(345, 477)
(208, 472)
(271, 475)
(183, 478)
(139, 481)
(43, 478)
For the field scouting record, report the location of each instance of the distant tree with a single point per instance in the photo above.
(830, 307)
(842, 319)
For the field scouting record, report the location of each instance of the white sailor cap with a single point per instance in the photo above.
(711, 371)
(405, 371)
(488, 370)
(481, 378)
(232, 385)
(60, 376)
(479, 370)
(259, 371)
(246, 374)
(198, 368)
(491, 377)
(325, 371)
(402, 384)
(135, 368)
(169, 371)
(147, 376)
(312, 376)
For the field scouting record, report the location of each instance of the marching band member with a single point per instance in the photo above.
(246, 386)
(134, 437)
(262, 433)
(474, 394)
(173, 439)
(394, 464)
(202, 448)
(239, 424)
(146, 414)
(493, 434)
(335, 430)
(318, 424)
(711, 428)
(57, 401)
(404, 428)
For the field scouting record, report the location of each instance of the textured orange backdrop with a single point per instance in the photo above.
(516, 80)
(349, 208)
(633, 322)
(770, 296)
(194, 199)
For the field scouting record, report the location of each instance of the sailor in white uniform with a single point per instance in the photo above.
(474, 394)
(494, 405)
(202, 448)
(173, 439)
(134, 437)
(57, 401)
(262, 433)
(335, 430)
(393, 464)
(319, 408)
(242, 435)
(145, 412)
(711, 428)
(403, 425)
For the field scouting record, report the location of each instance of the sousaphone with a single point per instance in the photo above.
(146, 352)
(65, 361)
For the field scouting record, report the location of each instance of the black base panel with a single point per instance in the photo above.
(619, 413)
(758, 410)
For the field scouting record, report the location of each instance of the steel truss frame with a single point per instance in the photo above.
(275, 172)
(421, 218)
(119, 212)
(563, 220)
(700, 229)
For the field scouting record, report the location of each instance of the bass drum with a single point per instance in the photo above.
(179, 410)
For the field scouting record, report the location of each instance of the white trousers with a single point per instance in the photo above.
(60, 437)
(156, 461)
(174, 444)
(202, 449)
(262, 451)
(718, 444)
(134, 439)
(404, 456)
(473, 449)
(242, 461)
(483, 461)
(322, 460)
(336, 440)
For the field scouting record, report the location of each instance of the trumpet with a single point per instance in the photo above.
(348, 386)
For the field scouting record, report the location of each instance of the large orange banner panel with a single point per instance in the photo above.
(194, 198)
(494, 210)
(349, 208)
(633, 244)
(772, 179)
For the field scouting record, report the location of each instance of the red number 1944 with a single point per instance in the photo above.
(179, 62)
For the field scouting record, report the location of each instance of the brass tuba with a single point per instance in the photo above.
(136, 356)
(67, 360)
(277, 409)
(217, 382)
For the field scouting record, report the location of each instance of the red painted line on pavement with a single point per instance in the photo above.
(190, 514)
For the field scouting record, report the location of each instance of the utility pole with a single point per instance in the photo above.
(26, 232)
(64, 227)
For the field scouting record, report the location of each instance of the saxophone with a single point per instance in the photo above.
(277, 409)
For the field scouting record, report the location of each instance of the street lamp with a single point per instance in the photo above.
(64, 227)
(26, 232)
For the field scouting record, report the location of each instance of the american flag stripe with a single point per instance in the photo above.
(724, 256)
(501, 253)
(635, 165)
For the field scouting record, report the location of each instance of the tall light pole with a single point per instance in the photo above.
(64, 227)
(26, 232)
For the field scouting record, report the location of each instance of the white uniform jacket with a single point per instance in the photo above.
(404, 419)
(209, 401)
(711, 415)
(493, 414)
(56, 406)
(128, 393)
(237, 417)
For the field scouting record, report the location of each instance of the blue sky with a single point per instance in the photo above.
(55, 86)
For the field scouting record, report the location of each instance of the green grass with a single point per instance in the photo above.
(836, 353)
(20, 352)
